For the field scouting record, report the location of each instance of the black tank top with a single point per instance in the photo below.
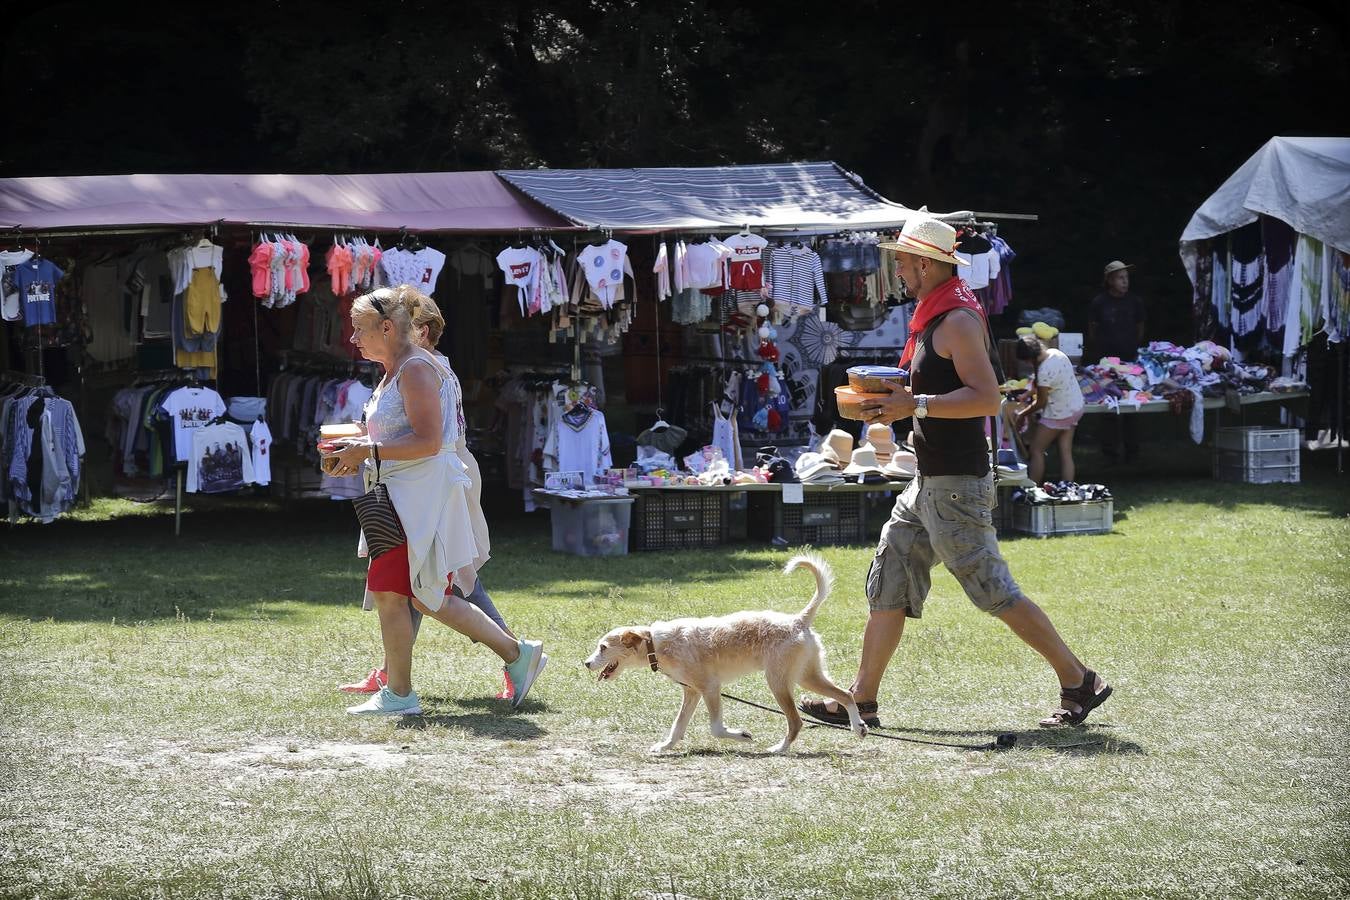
(944, 446)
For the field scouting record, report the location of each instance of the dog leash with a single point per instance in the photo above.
(1005, 741)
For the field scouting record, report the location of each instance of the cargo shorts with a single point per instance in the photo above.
(947, 519)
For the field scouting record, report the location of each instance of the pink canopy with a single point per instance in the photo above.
(425, 201)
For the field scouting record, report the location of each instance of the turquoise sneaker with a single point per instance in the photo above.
(526, 669)
(387, 703)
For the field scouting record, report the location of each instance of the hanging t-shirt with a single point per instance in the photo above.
(705, 264)
(36, 281)
(1056, 373)
(521, 267)
(190, 409)
(419, 268)
(604, 267)
(220, 459)
(261, 437)
(661, 268)
(11, 305)
(745, 268)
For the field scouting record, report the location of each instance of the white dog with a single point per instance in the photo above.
(702, 654)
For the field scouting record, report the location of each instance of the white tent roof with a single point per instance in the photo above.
(1304, 182)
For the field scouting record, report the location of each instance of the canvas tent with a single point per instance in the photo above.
(422, 201)
(789, 196)
(1304, 182)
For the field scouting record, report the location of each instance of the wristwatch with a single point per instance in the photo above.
(921, 406)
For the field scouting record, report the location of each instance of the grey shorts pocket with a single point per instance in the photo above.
(874, 575)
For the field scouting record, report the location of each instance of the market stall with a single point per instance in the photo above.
(1268, 256)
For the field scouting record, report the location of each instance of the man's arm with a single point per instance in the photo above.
(961, 337)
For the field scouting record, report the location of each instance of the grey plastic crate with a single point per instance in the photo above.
(1256, 455)
(1045, 519)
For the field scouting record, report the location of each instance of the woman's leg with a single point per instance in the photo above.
(479, 598)
(1066, 468)
(1040, 442)
(397, 635)
(474, 624)
(416, 627)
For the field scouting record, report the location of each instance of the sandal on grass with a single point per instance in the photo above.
(818, 710)
(1085, 697)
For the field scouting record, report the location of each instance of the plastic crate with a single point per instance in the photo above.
(681, 520)
(596, 527)
(823, 517)
(1045, 519)
(1256, 455)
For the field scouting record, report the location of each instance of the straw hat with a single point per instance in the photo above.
(812, 465)
(863, 461)
(882, 440)
(837, 447)
(902, 465)
(925, 236)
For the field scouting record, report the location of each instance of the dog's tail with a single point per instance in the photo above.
(824, 580)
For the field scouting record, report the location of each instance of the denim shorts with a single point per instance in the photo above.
(947, 519)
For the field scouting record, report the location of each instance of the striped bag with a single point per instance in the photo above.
(379, 521)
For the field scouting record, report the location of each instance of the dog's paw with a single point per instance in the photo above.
(738, 734)
(860, 731)
(660, 748)
(781, 747)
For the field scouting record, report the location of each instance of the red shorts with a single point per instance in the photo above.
(389, 574)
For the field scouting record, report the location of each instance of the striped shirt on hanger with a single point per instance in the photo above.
(794, 276)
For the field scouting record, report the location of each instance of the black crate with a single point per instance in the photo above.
(680, 520)
(821, 518)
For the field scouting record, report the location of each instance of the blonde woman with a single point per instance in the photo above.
(427, 327)
(411, 440)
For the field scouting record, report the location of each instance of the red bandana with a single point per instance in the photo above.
(951, 294)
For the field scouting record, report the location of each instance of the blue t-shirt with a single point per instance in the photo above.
(36, 281)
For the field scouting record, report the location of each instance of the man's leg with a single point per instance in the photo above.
(881, 637)
(1029, 622)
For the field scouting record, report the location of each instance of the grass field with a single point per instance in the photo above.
(170, 727)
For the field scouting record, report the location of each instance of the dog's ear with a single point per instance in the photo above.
(631, 638)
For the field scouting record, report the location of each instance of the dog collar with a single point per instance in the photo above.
(651, 655)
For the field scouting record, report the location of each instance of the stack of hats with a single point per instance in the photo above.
(836, 447)
(896, 462)
(814, 468)
(863, 465)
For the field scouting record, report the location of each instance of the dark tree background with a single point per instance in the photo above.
(1110, 121)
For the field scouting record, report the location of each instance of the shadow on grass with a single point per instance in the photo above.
(677, 754)
(1076, 742)
(499, 726)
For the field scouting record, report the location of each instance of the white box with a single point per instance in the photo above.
(1045, 519)
(1252, 454)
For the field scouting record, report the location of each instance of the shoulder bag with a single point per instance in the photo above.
(378, 518)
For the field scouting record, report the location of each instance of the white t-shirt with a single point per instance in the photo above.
(521, 267)
(975, 275)
(420, 269)
(1056, 373)
(705, 264)
(220, 459)
(604, 266)
(11, 307)
(261, 436)
(745, 267)
(191, 408)
(585, 451)
(662, 270)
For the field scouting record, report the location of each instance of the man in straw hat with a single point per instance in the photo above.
(945, 513)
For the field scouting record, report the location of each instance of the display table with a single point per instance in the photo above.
(691, 516)
(1155, 406)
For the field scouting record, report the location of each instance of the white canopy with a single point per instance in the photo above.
(1304, 182)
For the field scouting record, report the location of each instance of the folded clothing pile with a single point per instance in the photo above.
(1061, 492)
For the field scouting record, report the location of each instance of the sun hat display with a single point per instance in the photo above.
(882, 440)
(814, 468)
(928, 237)
(862, 462)
(837, 447)
(903, 464)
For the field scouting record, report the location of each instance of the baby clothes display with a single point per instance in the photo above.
(279, 270)
(419, 268)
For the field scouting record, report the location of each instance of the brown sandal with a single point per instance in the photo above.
(1086, 697)
(816, 709)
